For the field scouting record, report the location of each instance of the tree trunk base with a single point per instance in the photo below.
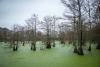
(53, 44)
(48, 45)
(62, 42)
(89, 49)
(15, 47)
(23, 43)
(75, 50)
(98, 46)
(80, 51)
(33, 46)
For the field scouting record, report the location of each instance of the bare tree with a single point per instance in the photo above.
(32, 24)
(76, 8)
(15, 36)
(88, 9)
(61, 33)
(97, 27)
(54, 26)
(47, 24)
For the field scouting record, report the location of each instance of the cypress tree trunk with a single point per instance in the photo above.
(15, 47)
(33, 46)
(98, 45)
(48, 45)
(75, 50)
(54, 44)
(80, 51)
(23, 43)
(89, 48)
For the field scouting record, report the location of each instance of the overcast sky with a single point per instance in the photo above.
(17, 11)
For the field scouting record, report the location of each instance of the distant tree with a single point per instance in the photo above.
(21, 33)
(4, 34)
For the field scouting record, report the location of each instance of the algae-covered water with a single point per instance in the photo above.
(60, 56)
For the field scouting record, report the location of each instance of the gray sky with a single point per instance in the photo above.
(17, 11)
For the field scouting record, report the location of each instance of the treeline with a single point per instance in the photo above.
(47, 31)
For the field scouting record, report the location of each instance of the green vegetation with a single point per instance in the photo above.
(60, 56)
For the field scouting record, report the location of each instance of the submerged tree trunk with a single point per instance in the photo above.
(23, 43)
(48, 39)
(89, 48)
(75, 49)
(62, 42)
(54, 44)
(48, 44)
(33, 46)
(80, 50)
(98, 45)
(15, 46)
